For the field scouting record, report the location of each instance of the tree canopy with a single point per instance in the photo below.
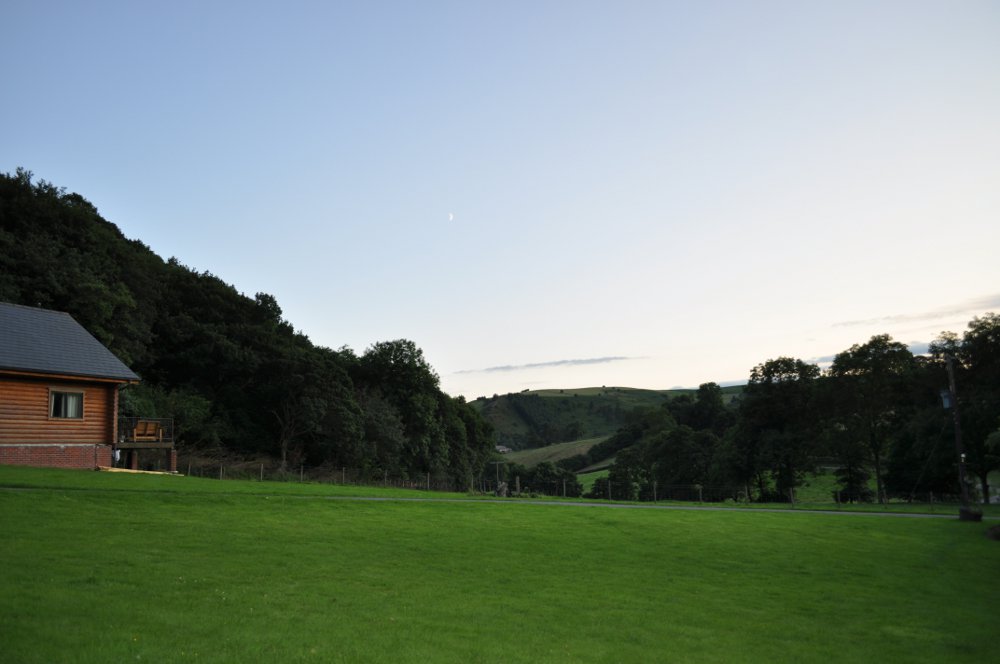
(236, 376)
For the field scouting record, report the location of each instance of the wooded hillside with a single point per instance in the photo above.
(544, 417)
(236, 376)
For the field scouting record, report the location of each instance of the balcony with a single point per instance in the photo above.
(137, 433)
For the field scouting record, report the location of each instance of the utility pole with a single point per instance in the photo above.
(966, 512)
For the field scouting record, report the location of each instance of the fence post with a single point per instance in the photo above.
(609, 488)
(564, 488)
(791, 496)
(261, 472)
(428, 481)
(654, 491)
(189, 469)
(220, 470)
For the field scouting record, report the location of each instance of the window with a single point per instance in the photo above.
(66, 404)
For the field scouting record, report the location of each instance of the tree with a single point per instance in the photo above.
(871, 382)
(405, 379)
(852, 474)
(978, 385)
(383, 435)
(777, 417)
(709, 411)
(682, 455)
(628, 474)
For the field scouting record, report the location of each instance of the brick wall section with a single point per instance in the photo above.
(137, 458)
(56, 456)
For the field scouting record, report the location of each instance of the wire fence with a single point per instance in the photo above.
(264, 471)
(566, 487)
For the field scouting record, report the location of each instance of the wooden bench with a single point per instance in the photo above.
(147, 430)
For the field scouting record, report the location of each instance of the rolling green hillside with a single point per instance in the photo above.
(553, 453)
(535, 419)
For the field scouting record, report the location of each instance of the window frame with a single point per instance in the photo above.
(53, 391)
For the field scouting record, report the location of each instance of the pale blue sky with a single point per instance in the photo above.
(668, 192)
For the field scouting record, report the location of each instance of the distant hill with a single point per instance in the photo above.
(539, 418)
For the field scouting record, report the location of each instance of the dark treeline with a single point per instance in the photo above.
(236, 376)
(545, 478)
(876, 415)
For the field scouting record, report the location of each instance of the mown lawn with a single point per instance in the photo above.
(121, 569)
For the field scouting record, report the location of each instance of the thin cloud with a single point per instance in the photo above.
(971, 306)
(915, 347)
(549, 365)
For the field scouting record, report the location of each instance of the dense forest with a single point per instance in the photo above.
(236, 377)
(876, 415)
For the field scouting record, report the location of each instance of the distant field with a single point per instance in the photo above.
(818, 488)
(167, 569)
(587, 479)
(596, 391)
(633, 391)
(553, 453)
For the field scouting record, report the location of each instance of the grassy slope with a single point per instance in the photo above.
(116, 572)
(587, 479)
(553, 453)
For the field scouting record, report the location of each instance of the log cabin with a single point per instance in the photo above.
(59, 394)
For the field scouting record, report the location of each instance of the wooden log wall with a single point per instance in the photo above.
(24, 413)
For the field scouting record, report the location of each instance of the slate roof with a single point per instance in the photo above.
(44, 341)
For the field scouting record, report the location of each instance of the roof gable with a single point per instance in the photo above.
(44, 341)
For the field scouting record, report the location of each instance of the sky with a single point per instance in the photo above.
(540, 194)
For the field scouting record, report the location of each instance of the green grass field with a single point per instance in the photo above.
(108, 568)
